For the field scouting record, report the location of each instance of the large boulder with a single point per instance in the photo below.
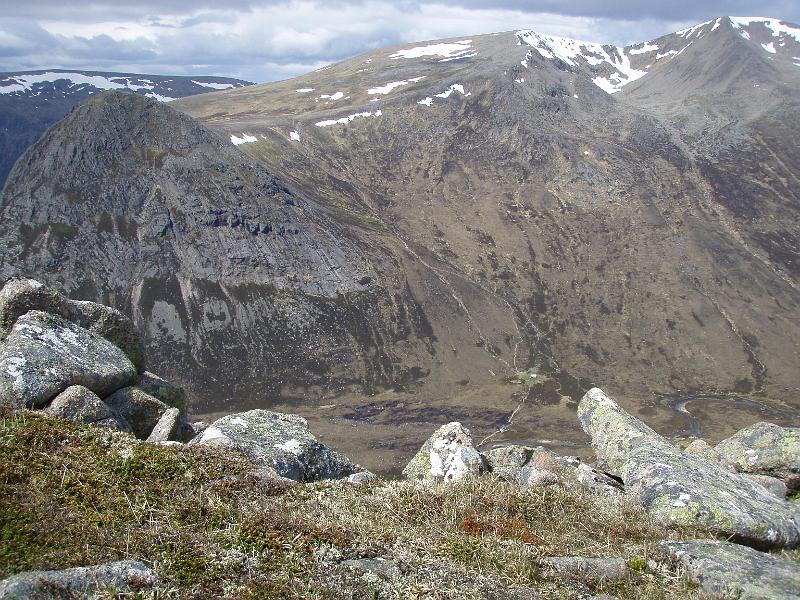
(19, 296)
(165, 391)
(765, 449)
(679, 488)
(280, 441)
(112, 325)
(82, 405)
(124, 577)
(732, 571)
(44, 354)
(448, 455)
(138, 408)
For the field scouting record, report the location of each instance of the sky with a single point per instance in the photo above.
(267, 40)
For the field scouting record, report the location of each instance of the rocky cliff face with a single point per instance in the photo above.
(243, 289)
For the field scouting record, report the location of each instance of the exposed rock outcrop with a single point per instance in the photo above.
(80, 582)
(44, 354)
(280, 441)
(680, 488)
(765, 449)
(735, 571)
(448, 455)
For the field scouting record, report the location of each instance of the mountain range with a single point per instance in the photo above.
(31, 101)
(471, 229)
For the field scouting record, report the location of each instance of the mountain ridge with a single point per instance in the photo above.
(526, 234)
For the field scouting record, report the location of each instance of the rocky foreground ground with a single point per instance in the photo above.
(107, 489)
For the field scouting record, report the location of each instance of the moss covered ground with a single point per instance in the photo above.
(78, 495)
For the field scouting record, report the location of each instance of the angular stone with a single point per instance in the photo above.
(280, 441)
(532, 476)
(166, 430)
(589, 569)
(81, 582)
(448, 455)
(112, 325)
(702, 449)
(678, 488)
(141, 410)
(19, 296)
(733, 571)
(45, 354)
(596, 481)
(764, 449)
(165, 391)
(82, 405)
(773, 484)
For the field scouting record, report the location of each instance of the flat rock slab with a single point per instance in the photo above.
(166, 430)
(448, 455)
(19, 296)
(45, 354)
(733, 571)
(80, 582)
(280, 441)
(683, 489)
(589, 569)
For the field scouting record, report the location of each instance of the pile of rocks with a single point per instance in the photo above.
(85, 362)
(737, 490)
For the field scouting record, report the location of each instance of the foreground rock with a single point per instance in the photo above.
(44, 354)
(80, 582)
(765, 449)
(82, 405)
(280, 441)
(138, 408)
(20, 296)
(679, 488)
(589, 569)
(168, 427)
(165, 391)
(111, 324)
(448, 455)
(734, 571)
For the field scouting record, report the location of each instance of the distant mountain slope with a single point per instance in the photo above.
(606, 221)
(515, 232)
(31, 101)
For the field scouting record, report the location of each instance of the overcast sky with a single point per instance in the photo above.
(265, 40)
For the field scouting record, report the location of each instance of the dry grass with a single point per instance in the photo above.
(72, 495)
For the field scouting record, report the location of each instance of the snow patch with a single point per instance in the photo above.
(779, 28)
(348, 119)
(304, 90)
(426, 101)
(385, 89)
(213, 86)
(245, 139)
(648, 47)
(335, 96)
(452, 50)
(569, 51)
(769, 47)
(456, 87)
(294, 136)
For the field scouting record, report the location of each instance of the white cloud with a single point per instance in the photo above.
(263, 41)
